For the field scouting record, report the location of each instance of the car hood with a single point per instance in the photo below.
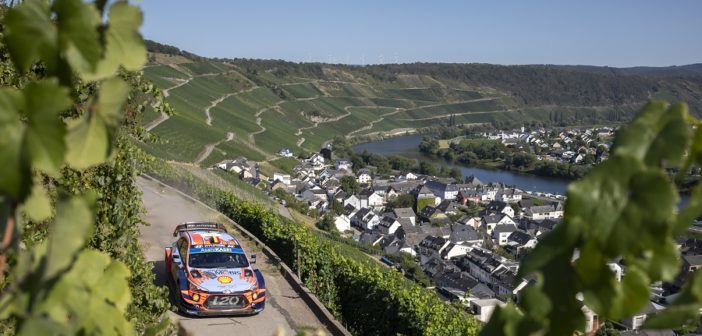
(223, 280)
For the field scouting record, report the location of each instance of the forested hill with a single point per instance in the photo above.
(564, 85)
(256, 107)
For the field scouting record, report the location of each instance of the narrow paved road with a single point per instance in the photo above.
(285, 310)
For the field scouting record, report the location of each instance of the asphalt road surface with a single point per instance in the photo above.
(285, 311)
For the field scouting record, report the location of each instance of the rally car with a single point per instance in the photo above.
(210, 274)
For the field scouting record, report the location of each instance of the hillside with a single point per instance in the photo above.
(231, 107)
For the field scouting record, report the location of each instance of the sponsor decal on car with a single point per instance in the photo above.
(224, 279)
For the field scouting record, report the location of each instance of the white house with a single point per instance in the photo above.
(511, 195)
(353, 200)
(285, 153)
(343, 164)
(364, 176)
(455, 250)
(541, 212)
(342, 223)
(501, 233)
(489, 222)
(317, 160)
(370, 199)
(282, 177)
(388, 225)
(482, 309)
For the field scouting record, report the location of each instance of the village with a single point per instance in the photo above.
(572, 145)
(466, 235)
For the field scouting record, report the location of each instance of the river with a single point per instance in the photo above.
(407, 146)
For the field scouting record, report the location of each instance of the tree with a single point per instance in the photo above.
(350, 185)
(456, 173)
(327, 223)
(427, 168)
(402, 201)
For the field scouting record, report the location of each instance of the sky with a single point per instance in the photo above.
(618, 33)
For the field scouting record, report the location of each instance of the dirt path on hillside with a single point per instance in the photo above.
(285, 310)
(209, 147)
(457, 114)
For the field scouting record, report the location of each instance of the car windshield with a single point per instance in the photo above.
(217, 260)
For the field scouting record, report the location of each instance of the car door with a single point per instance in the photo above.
(179, 253)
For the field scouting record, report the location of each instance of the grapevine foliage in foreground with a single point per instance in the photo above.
(624, 208)
(60, 111)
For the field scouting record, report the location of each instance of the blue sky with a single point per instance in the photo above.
(614, 32)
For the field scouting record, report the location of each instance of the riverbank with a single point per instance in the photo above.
(407, 146)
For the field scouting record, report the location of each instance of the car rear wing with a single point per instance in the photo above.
(199, 226)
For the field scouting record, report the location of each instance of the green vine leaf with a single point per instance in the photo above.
(38, 205)
(79, 39)
(73, 225)
(93, 294)
(15, 170)
(89, 137)
(124, 45)
(31, 35)
(44, 135)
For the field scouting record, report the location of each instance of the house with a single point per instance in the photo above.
(482, 309)
(319, 193)
(282, 177)
(343, 164)
(408, 176)
(470, 221)
(370, 199)
(510, 195)
(500, 207)
(390, 193)
(490, 221)
(468, 195)
(342, 223)
(364, 176)
(317, 161)
(464, 234)
(457, 285)
(405, 213)
(501, 232)
(388, 225)
(539, 212)
(354, 201)
(285, 152)
(637, 320)
(455, 250)
(371, 238)
(442, 190)
(362, 218)
(521, 239)
(448, 207)
(433, 214)
(432, 245)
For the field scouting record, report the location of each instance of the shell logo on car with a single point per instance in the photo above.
(224, 279)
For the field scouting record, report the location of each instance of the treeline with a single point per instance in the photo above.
(155, 47)
(545, 85)
(384, 165)
(368, 299)
(489, 152)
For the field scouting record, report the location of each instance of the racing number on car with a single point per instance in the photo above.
(225, 300)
